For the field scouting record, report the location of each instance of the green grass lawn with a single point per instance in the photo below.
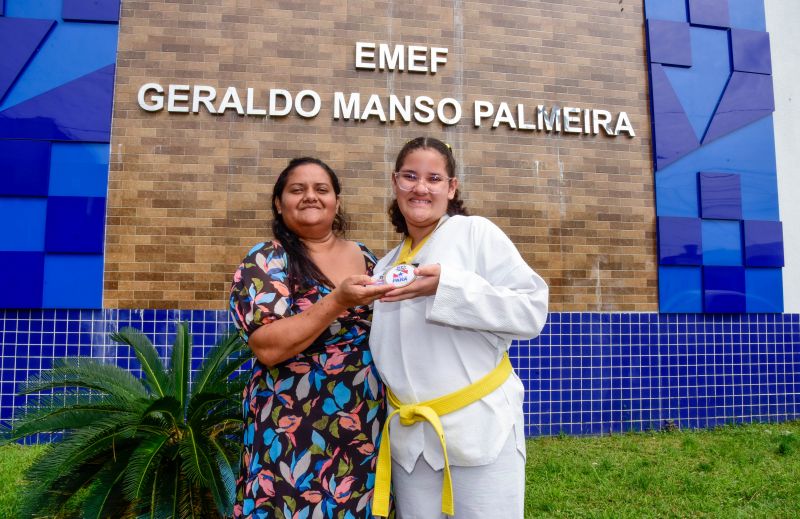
(733, 471)
(14, 459)
(736, 471)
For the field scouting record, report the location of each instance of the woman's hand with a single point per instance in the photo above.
(358, 290)
(425, 285)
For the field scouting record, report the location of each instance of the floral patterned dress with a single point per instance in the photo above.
(313, 422)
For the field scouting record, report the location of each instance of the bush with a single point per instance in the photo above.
(154, 447)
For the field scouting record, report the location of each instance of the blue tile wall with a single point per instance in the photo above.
(714, 154)
(57, 65)
(587, 373)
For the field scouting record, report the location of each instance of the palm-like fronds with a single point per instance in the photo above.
(155, 447)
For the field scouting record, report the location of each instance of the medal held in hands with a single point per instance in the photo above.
(398, 276)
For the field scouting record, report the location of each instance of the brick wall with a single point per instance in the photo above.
(189, 193)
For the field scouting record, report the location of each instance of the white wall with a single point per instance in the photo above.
(783, 24)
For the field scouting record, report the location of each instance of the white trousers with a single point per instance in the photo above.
(482, 492)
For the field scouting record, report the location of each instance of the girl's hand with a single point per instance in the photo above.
(425, 285)
(357, 291)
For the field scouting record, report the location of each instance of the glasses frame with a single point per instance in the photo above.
(420, 180)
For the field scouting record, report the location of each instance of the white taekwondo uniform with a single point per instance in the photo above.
(427, 347)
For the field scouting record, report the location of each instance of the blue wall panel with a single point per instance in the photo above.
(711, 13)
(56, 84)
(50, 9)
(18, 288)
(680, 289)
(722, 243)
(724, 290)
(72, 50)
(748, 14)
(724, 90)
(674, 10)
(22, 224)
(764, 290)
(700, 86)
(24, 168)
(73, 281)
(75, 224)
(79, 169)
(19, 40)
(91, 11)
(720, 195)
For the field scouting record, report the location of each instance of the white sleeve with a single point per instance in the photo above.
(506, 297)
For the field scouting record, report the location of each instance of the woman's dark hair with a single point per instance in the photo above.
(301, 268)
(454, 206)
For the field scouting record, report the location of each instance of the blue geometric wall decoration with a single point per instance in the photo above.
(44, 9)
(77, 111)
(73, 281)
(722, 243)
(763, 243)
(724, 290)
(720, 195)
(91, 10)
(70, 51)
(680, 241)
(699, 87)
(19, 40)
(673, 136)
(669, 43)
(748, 14)
(673, 10)
(764, 290)
(747, 98)
(19, 288)
(680, 289)
(75, 224)
(22, 224)
(709, 13)
(56, 88)
(748, 152)
(24, 168)
(714, 153)
(79, 169)
(750, 51)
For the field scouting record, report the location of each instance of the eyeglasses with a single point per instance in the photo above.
(407, 181)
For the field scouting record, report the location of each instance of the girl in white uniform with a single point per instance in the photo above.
(448, 330)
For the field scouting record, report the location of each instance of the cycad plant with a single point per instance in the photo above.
(156, 447)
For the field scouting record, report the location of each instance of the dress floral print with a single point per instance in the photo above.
(313, 422)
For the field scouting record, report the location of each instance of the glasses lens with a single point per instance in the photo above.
(407, 182)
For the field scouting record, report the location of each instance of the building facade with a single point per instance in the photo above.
(639, 154)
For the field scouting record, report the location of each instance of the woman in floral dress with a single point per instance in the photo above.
(314, 406)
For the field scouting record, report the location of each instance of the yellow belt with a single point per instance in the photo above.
(430, 411)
